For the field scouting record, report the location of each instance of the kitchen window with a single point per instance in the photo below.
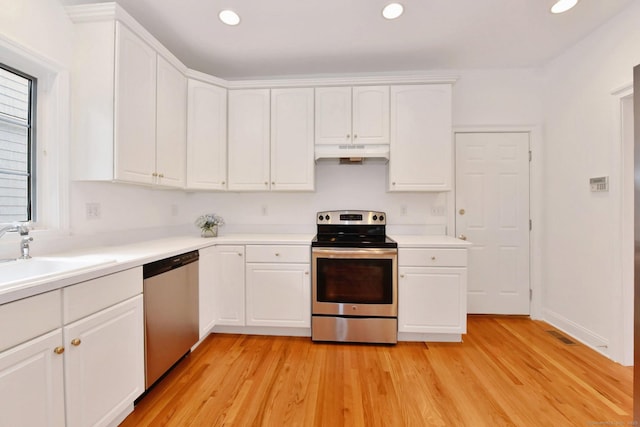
(17, 143)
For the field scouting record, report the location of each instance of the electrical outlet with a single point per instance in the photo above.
(93, 210)
(438, 211)
(403, 210)
(265, 210)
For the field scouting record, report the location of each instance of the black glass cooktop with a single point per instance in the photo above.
(353, 241)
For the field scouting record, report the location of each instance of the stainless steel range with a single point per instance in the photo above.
(355, 278)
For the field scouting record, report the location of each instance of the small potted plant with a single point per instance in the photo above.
(209, 224)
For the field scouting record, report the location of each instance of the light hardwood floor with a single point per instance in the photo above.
(509, 371)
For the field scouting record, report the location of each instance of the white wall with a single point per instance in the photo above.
(581, 243)
(41, 26)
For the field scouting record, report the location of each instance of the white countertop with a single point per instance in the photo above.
(415, 241)
(111, 259)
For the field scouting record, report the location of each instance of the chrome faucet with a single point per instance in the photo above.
(23, 229)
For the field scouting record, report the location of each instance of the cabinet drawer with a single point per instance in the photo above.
(278, 253)
(94, 295)
(432, 257)
(28, 318)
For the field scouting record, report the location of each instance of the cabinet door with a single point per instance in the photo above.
(206, 290)
(206, 137)
(31, 383)
(371, 115)
(432, 300)
(278, 295)
(171, 136)
(135, 108)
(104, 369)
(292, 162)
(333, 115)
(421, 147)
(229, 286)
(249, 139)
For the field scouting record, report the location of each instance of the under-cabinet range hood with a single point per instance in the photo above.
(352, 152)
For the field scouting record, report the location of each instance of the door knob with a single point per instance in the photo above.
(462, 237)
(461, 211)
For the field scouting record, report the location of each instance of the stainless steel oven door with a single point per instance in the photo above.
(355, 281)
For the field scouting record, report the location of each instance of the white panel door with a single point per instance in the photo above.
(292, 163)
(492, 211)
(206, 136)
(171, 135)
(333, 115)
(371, 115)
(32, 384)
(421, 152)
(249, 121)
(229, 286)
(278, 295)
(135, 108)
(104, 368)
(432, 300)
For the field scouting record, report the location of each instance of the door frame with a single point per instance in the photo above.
(535, 205)
(621, 343)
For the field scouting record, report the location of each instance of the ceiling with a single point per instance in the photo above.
(311, 37)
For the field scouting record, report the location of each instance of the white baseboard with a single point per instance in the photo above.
(582, 334)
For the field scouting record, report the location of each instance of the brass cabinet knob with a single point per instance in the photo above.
(277, 254)
(58, 350)
(223, 183)
(154, 174)
(402, 276)
(461, 211)
(306, 273)
(462, 237)
(161, 175)
(239, 253)
(433, 258)
(348, 136)
(76, 342)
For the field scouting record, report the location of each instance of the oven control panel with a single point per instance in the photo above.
(351, 218)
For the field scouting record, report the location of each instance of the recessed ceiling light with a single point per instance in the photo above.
(392, 10)
(563, 5)
(229, 17)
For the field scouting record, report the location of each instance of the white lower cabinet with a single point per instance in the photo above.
(278, 286)
(92, 368)
(229, 287)
(432, 291)
(31, 383)
(278, 295)
(104, 364)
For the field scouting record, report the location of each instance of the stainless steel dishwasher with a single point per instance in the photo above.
(170, 312)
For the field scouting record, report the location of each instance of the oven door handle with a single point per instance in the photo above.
(358, 252)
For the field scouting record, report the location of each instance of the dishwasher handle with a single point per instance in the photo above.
(167, 264)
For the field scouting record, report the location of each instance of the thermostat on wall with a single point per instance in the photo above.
(600, 183)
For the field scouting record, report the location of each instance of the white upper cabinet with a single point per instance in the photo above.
(249, 152)
(421, 147)
(292, 163)
(358, 115)
(171, 120)
(206, 136)
(135, 108)
(128, 107)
